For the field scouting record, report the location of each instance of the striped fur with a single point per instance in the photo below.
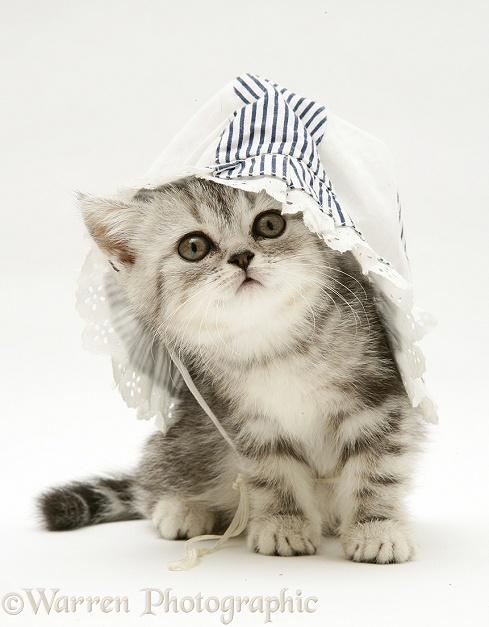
(296, 364)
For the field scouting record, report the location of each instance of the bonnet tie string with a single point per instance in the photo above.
(237, 525)
(240, 519)
(201, 401)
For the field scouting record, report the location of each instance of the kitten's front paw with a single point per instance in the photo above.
(283, 535)
(378, 541)
(177, 520)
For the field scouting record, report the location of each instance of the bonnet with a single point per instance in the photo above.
(256, 135)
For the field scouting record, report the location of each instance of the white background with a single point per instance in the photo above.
(91, 93)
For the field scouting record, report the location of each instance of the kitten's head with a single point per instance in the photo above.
(214, 268)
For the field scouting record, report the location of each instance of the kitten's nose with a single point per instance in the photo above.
(242, 259)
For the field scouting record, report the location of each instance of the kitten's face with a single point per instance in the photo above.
(218, 269)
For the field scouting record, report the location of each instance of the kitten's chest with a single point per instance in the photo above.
(288, 395)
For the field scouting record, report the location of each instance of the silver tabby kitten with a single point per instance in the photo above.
(283, 340)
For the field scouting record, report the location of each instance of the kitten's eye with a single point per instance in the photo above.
(194, 247)
(269, 224)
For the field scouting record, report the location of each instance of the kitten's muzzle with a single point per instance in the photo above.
(242, 259)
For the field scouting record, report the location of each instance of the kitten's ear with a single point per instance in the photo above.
(112, 224)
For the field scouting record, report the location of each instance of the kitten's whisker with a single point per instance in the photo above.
(320, 285)
(277, 258)
(323, 287)
(356, 317)
(310, 264)
(183, 330)
(351, 277)
(168, 318)
(199, 343)
(355, 296)
(306, 301)
(165, 323)
(219, 331)
(325, 290)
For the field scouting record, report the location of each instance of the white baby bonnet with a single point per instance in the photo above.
(256, 135)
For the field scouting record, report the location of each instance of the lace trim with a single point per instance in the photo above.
(139, 390)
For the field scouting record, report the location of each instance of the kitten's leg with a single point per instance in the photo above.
(377, 449)
(284, 519)
(183, 489)
(179, 519)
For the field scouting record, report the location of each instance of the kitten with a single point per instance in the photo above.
(283, 340)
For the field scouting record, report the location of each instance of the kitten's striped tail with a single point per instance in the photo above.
(80, 504)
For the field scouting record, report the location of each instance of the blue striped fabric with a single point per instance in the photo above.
(277, 133)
